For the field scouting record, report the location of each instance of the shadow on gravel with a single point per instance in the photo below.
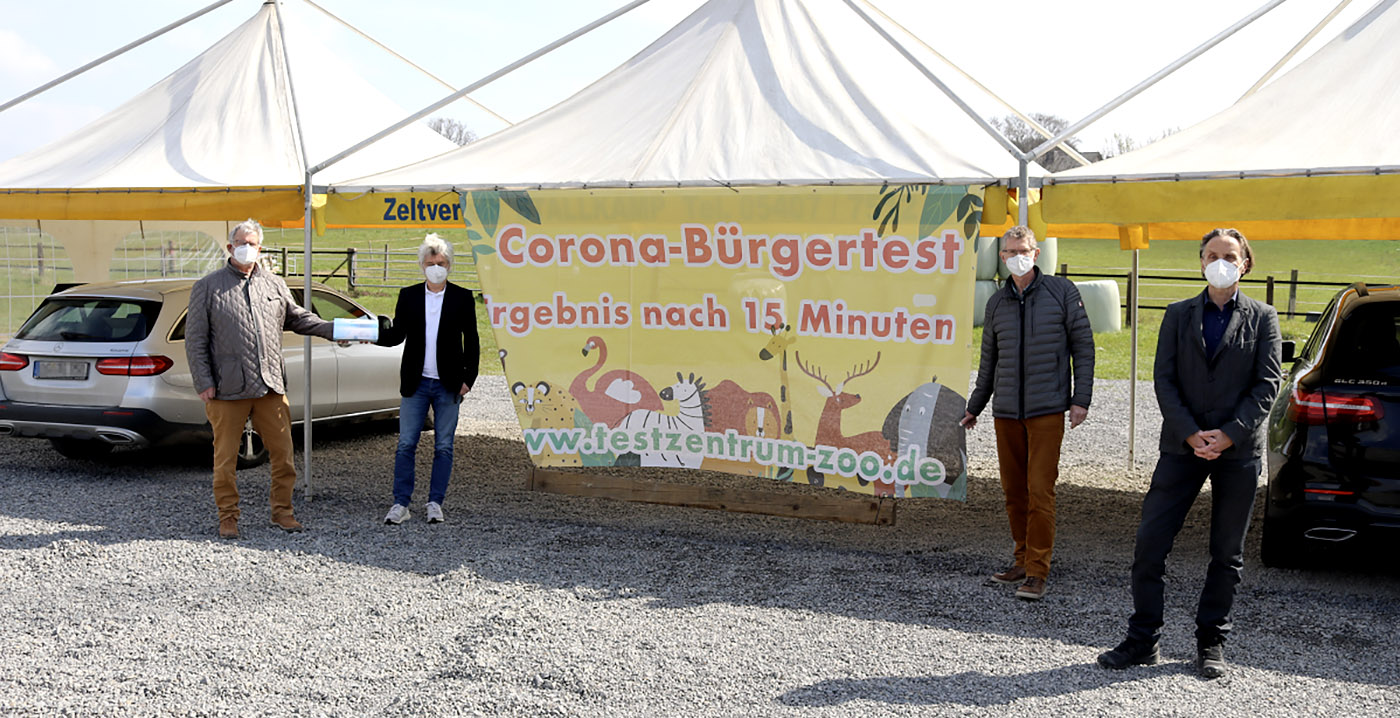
(927, 571)
(971, 688)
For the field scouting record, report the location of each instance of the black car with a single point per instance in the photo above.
(1334, 437)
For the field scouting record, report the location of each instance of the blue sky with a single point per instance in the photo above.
(1066, 58)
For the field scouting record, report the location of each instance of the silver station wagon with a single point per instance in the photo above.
(98, 366)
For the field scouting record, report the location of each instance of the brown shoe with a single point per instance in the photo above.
(1033, 589)
(287, 523)
(1013, 575)
(228, 528)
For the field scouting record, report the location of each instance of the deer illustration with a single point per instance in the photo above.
(615, 394)
(829, 425)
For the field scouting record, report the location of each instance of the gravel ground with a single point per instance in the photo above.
(118, 599)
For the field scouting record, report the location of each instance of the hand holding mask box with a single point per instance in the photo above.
(356, 330)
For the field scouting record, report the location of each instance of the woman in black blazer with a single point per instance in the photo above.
(436, 322)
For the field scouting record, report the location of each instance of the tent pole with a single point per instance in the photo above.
(1296, 48)
(54, 83)
(1023, 203)
(306, 342)
(1133, 368)
(1094, 116)
(480, 83)
(306, 414)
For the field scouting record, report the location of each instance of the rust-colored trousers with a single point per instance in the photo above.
(1029, 453)
(272, 419)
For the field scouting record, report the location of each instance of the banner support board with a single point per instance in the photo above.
(843, 509)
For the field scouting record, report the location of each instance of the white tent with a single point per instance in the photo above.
(742, 92)
(228, 135)
(1314, 154)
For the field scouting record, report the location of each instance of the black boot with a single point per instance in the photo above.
(1130, 653)
(1210, 660)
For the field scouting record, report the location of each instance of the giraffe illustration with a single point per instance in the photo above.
(783, 337)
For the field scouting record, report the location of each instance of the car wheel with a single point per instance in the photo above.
(1281, 547)
(90, 449)
(251, 451)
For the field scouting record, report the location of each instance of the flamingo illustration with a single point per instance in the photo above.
(615, 394)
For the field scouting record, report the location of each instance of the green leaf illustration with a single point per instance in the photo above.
(462, 200)
(891, 218)
(522, 204)
(488, 209)
(475, 236)
(480, 249)
(938, 206)
(973, 224)
(879, 206)
(967, 203)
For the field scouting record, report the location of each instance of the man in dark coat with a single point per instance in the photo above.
(1035, 329)
(436, 321)
(1218, 368)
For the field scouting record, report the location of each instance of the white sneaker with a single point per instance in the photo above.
(397, 514)
(434, 513)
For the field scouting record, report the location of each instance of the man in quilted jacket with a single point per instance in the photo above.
(1035, 337)
(233, 338)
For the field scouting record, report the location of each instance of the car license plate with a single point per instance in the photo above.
(48, 369)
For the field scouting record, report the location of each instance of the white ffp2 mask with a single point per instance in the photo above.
(245, 254)
(435, 273)
(1222, 274)
(1020, 264)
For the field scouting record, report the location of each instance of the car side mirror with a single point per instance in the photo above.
(1289, 347)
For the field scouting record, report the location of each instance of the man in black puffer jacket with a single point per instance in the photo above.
(1035, 336)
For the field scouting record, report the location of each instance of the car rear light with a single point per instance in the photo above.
(13, 362)
(134, 366)
(1323, 407)
(1329, 492)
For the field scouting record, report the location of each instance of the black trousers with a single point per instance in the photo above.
(1176, 482)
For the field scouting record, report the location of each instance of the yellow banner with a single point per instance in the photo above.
(408, 210)
(809, 335)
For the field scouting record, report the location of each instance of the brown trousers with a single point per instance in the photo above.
(1029, 453)
(272, 419)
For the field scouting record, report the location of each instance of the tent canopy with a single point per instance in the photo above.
(742, 92)
(218, 138)
(1314, 154)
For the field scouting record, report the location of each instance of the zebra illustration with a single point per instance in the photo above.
(689, 418)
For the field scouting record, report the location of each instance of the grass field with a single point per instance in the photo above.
(1321, 261)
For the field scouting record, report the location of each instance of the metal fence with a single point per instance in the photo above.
(31, 263)
(166, 254)
(1293, 296)
(363, 268)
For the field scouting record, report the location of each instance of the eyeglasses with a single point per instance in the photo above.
(1015, 252)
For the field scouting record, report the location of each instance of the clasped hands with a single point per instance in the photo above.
(1209, 444)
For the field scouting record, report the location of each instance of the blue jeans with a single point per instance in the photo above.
(413, 411)
(1175, 484)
